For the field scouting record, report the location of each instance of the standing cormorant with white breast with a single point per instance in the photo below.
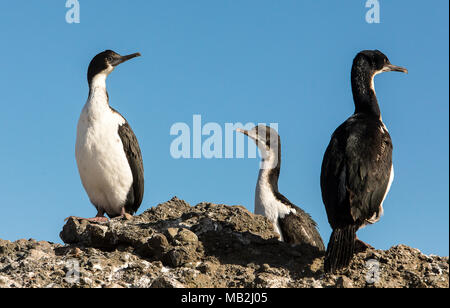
(293, 224)
(107, 152)
(357, 170)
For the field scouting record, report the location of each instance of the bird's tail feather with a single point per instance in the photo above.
(341, 248)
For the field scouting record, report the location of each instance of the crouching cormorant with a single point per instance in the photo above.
(293, 225)
(357, 169)
(107, 152)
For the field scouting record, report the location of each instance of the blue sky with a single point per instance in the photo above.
(260, 61)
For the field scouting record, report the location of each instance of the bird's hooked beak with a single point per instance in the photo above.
(122, 59)
(243, 131)
(247, 133)
(253, 135)
(394, 68)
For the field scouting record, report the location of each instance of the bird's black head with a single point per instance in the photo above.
(366, 65)
(265, 137)
(268, 142)
(105, 62)
(374, 62)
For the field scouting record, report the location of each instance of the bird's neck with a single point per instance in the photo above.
(268, 178)
(98, 95)
(267, 184)
(269, 170)
(364, 92)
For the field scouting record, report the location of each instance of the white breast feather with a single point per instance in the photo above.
(267, 205)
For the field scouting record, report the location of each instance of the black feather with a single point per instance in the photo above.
(299, 227)
(341, 248)
(134, 157)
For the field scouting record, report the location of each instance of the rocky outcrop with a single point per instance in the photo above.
(175, 245)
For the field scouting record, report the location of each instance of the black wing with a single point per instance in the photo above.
(355, 171)
(299, 228)
(134, 156)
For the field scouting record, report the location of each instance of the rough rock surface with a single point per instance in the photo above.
(175, 245)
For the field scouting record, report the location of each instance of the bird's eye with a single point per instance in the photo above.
(110, 59)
